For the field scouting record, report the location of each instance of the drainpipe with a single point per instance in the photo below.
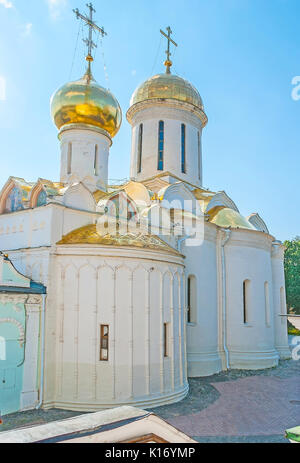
(224, 240)
(42, 353)
(180, 241)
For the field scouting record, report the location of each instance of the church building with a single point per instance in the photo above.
(137, 286)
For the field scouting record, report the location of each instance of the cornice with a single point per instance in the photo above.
(251, 238)
(84, 127)
(160, 103)
(84, 250)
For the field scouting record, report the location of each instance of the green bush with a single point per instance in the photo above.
(293, 331)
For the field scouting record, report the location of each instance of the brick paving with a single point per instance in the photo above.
(233, 406)
(240, 405)
(247, 406)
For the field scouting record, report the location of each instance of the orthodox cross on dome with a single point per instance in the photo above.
(168, 63)
(92, 28)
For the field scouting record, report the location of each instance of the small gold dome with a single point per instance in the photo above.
(86, 102)
(167, 86)
(227, 217)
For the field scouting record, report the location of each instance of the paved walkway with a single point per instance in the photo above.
(256, 405)
(240, 406)
(234, 406)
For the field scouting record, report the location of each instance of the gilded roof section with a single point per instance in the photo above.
(228, 218)
(167, 86)
(52, 188)
(99, 194)
(86, 102)
(89, 235)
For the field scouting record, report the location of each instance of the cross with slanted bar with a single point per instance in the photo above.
(92, 27)
(168, 62)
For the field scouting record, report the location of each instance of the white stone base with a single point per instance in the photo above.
(146, 402)
(253, 360)
(203, 364)
(29, 400)
(284, 352)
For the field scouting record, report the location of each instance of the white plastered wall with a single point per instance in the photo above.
(279, 300)
(202, 334)
(133, 291)
(248, 257)
(81, 166)
(173, 118)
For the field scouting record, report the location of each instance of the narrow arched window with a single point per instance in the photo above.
(267, 304)
(69, 159)
(183, 166)
(140, 148)
(104, 342)
(246, 287)
(199, 157)
(161, 140)
(166, 339)
(96, 161)
(191, 299)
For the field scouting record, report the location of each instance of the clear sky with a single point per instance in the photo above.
(240, 54)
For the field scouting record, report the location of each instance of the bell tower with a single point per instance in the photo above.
(88, 116)
(167, 117)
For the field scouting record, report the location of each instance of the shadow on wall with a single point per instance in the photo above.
(12, 351)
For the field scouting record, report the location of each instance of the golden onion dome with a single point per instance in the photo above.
(227, 217)
(167, 86)
(86, 102)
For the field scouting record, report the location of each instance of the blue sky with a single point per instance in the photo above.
(241, 55)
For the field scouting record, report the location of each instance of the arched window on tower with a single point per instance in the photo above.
(140, 149)
(183, 162)
(191, 299)
(69, 159)
(96, 161)
(246, 293)
(161, 135)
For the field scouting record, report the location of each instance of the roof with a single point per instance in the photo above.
(12, 281)
(35, 288)
(89, 235)
(167, 86)
(229, 218)
(114, 425)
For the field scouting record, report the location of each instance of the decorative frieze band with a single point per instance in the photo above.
(13, 298)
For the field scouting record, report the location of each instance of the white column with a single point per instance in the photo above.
(279, 302)
(29, 396)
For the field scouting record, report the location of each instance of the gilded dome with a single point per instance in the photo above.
(86, 102)
(167, 86)
(227, 217)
